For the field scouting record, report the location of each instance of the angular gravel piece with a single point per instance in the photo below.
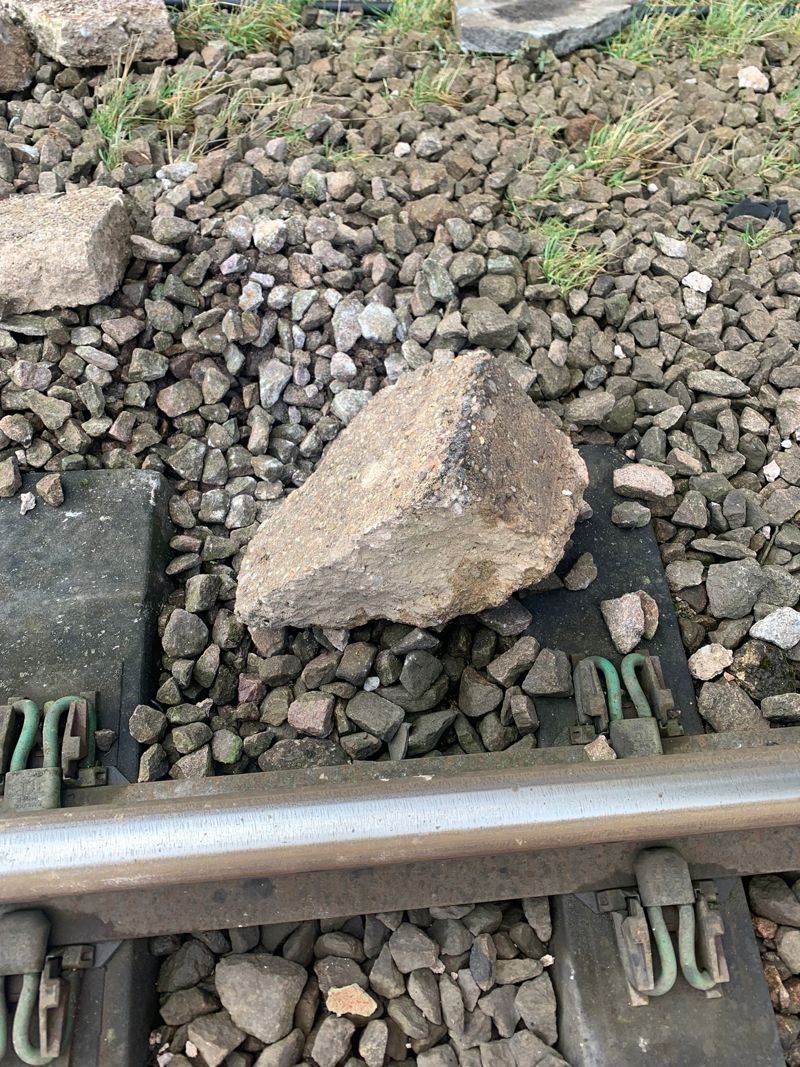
(247, 983)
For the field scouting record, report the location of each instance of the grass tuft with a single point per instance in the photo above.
(251, 26)
(724, 29)
(418, 16)
(731, 26)
(756, 238)
(436, 87)
(649, 38)
(789, 108)
(780, 159)
(569, 260)
(117, 115)
(631, 146)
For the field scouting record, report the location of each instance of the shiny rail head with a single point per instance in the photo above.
(267, 831)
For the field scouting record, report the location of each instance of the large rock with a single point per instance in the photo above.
(16, 60)
(62, 252)
(260, 992)
(94, 33)
(499, 26)
(444, 495)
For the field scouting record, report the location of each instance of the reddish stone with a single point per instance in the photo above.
(251, 689)
(578, 131)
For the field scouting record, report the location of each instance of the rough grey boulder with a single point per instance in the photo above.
(61, 252)
(94, 33)
(444, 495)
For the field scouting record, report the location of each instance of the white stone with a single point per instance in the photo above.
(670, 246)
(771, 471)
(709, 661)
(697, 282)
(753, 78)
(780, 627)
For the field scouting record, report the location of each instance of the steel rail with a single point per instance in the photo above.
(267, 831)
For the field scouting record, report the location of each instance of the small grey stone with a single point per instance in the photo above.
(508, 620)
(423, 988)
(733, 588)
(684, 574)
(180, 398)
(787, 943)
(709, 661)
(269, 235)
(536, 1004)
(147, 725)
(197, 764)
(186, 1004)
(375, 714)
(500, 1004)
(356, 662)
(625, 619)
(372, 1043)
(482, 961)
(289, 755)
(226, 747)
(153, 764)
(284, 1053)
(582, 573)
(716, 383)
(312, 714)
(783, 707)
(190, 964)
(201, 592)
(692, 511)
(420, 671)
(411, 948)
(51, 490)
(642, 482)
(476, 694)
(378, 323)
(551, 675)
(346, 328)
(273, 375)
(10, 480)
(347, 404)
(519, 659)
(725, 706)
(186, 634)
(215, 1036)
(631, 515)
(424, 732)
(488, 325)
(771, 898)
(384, 976)
(246, 983)
(518, 708)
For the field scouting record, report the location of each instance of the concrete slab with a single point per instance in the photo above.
(503, 26)
(82, 586)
